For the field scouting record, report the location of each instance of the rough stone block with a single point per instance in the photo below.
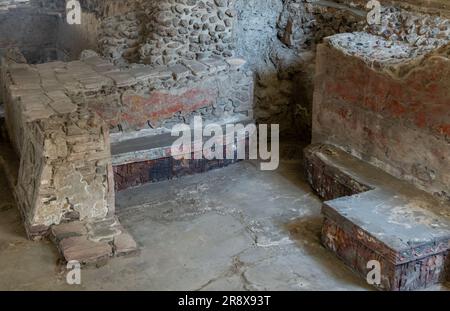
(124, 244)
(67, 230)
(84, 251)
(161, 72)
(215, 64)
(104, 230)
(380, 218)
(61, 103)
(142, 74)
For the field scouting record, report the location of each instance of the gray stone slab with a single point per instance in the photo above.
(395, 220)
(196, 67)
(215, 64)
(122, 78)
(179, 71)
(146, 148)
(67, 230)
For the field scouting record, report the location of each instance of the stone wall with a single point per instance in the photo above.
(73, 39)
(187, 29)
(32, 27)
(386, 102)
(188, 43)
(163, 32)
(387, 89)
(148, 97)
(277, 38)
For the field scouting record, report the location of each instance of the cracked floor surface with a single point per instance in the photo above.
(237, 228)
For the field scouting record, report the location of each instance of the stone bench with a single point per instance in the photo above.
(148, 159)
(370, 215)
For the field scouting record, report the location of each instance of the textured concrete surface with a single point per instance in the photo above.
(232, 229)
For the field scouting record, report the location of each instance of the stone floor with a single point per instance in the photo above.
(236, 228)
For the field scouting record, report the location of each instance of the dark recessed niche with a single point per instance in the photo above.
(45, 55)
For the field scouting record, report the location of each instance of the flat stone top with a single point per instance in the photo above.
(399, 36)
(397, 221)
(47, 89)
(371, 48)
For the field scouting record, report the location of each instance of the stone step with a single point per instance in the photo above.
(370, 215)
(93, 242)
(147, 159)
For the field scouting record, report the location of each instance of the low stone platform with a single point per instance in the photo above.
(371, 215)
(94, 242)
